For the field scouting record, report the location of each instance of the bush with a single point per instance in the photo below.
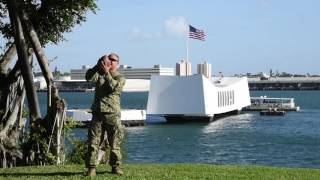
(79, 152)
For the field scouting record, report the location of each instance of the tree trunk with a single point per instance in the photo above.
(56, 109)
(12, 123)
(42, 60)
(7, 57)
(23, 59)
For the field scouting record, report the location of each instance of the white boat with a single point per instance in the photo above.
(196, 97)
(265, 103)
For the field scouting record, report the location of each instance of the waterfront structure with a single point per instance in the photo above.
(132, 85)
(140, 79)
(129, 117)
(205, 69)
(79, 74)
(74, 85)
(273, 83)
(145, 73)
(128, 72)
(40, 82)
(136, 85)
(64, 78)
(196, 97)
(285, 83)
(183, 68)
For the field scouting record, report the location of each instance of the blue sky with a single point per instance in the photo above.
(242, 36)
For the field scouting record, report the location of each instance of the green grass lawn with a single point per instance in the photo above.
(162, 171)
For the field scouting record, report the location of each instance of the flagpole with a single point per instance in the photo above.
(194, 33)
(187, 60)
(187, 49)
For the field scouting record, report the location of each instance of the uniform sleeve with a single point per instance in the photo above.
(92, 74)
(115, 83)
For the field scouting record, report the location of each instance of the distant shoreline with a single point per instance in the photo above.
(255, 84)
(250, 89)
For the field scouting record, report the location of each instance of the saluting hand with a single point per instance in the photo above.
(105, 65)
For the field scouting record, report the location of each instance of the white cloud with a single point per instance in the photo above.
(138, 34)
(176, 26)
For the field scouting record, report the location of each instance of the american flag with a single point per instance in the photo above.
(195, 33)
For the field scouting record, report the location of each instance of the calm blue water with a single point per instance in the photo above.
(289, 141)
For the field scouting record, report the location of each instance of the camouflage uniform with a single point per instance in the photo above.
(105, 115)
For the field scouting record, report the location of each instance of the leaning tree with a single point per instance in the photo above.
(27, 26)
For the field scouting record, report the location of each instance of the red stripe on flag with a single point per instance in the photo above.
(195, 33)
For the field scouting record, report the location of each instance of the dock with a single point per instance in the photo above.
(129, 117)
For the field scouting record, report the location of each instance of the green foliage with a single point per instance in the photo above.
(66, 74)
(56, 74)
(78, 153)
(163, 171)
(79, 150)
(25, 112)
(70, 124)
(4, 26)
(51, 18)
(35, 144)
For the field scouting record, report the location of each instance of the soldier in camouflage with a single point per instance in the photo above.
(105, 112)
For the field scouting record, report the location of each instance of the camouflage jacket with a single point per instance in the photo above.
(108, 89)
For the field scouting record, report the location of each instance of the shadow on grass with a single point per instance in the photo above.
(44, 174)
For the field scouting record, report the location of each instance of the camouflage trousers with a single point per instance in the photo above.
(100, 124)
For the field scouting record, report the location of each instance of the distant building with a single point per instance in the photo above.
(128, 72)
(79, 74)
(183, 68)
(144, 73)
(40, 82)
(64, 78)
(264, 76)
(205, 69)
(137, 78)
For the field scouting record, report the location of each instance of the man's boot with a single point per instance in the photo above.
(91, 172)
(116, 170)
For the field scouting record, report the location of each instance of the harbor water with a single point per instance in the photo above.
(292, 140)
